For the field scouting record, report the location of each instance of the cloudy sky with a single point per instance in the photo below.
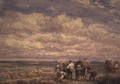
(42, 29)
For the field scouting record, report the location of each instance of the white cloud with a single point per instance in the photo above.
(68, 36)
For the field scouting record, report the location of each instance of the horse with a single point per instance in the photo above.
(83, 73)
(93, 75)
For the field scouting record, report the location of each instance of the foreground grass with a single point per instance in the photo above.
(42, 73)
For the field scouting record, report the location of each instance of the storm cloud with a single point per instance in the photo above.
(46, 29)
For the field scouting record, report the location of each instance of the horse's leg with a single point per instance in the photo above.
(77, 76)
(90, 78)
(93, 78)
(81, 77)
(84, 77)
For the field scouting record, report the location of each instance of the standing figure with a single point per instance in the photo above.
(108, 66)
(70, 69)
(116, 68)
(78, 71)
(78, 68)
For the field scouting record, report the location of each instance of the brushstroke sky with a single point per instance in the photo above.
(59, 29)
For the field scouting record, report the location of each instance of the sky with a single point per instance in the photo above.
(50, 29)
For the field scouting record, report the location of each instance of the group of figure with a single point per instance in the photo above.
(75, 70)
(111, 66)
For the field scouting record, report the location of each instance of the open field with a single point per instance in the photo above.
(35, 72)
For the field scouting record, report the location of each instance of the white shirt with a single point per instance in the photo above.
(70, 66)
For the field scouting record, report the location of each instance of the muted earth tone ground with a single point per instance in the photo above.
(29, 72)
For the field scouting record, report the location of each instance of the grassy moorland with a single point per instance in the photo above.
(32, 72)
